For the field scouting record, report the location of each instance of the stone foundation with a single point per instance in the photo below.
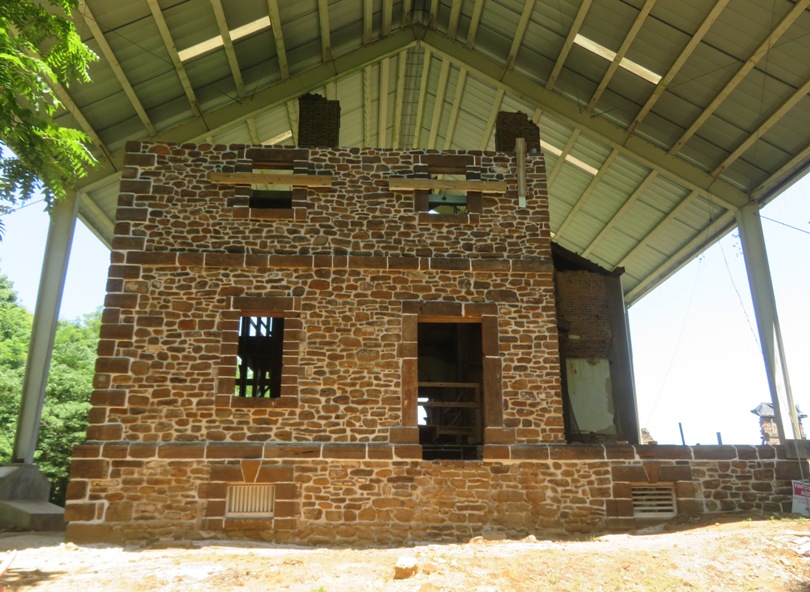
(375, 494)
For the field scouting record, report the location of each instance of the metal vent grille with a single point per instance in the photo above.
(250, 500)
(653, 501)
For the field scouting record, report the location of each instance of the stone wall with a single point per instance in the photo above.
(353, 268)
(328, 493)
(189, 258)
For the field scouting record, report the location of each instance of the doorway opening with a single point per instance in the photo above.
(450, 401)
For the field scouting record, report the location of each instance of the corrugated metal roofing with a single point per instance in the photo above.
(728, 123)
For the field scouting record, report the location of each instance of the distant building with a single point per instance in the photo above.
(767, 423)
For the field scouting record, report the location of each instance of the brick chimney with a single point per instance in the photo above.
(510, 126)
(318, 122)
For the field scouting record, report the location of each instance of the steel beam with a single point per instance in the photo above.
(438, 106)
(278, 37)
(635, 147)
(617, 60)
(770, 334)
(585, 194)
(171, 49)
(227, 42)
(451, 126)
(687, 51)
(772, 120)
(43, 331)
(568, 44)
(759, 53)
(115, 66)
(273, 96)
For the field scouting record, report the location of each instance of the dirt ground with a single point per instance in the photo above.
(754, 553)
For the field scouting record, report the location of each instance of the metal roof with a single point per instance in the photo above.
(645, 169)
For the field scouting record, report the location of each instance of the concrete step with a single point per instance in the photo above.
(28, 515)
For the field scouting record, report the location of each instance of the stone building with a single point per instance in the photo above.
(768, 429)
(361, 345)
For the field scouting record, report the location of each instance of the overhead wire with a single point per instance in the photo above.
(677, 343)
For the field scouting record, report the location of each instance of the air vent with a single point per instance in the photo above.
(250, 501)
(653, 501)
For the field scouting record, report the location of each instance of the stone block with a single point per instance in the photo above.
(85, 468)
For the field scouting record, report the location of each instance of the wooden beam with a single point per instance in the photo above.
(568, 44)
(784, 177)
(323, 20)
(407, 17)
(710, 233)
(399, 96)
(475, 20)
(434, 13)
(599, 128)
(420, 105)
(278, 37)
(269, 98)
(171, 49)
(270, 179)
(455, 14)
(451, 126)
(438, 106)
(410, 184)
(572, 139)
(387, 14)
(225, 33)
(292, 115)
(798, 10)
(634, 197)
(674, 213)
(112, 61)
(73, 109)
(493, 115)
(520, 32)
(585, 194)
(625, 46)
(772, 120)
(368, 22)
(687, 51)
(254, 133)
(367, 106)
(382, 104)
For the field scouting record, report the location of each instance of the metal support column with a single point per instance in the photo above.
(770, 336)
(46, 315)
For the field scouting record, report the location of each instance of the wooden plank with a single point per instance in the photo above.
(449, 405)
(408, 184)
(270, 179)
(452, 384)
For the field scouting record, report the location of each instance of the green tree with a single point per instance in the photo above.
(67, 399)
(39, 46)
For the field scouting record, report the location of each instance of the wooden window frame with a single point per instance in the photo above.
(461, 164)
(245, 306)
(295, 159)
(413, 313)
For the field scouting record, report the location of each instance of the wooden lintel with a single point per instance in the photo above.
(270, 179)
(409, 184)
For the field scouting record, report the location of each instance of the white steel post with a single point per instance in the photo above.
(770, 335)
(46, 315)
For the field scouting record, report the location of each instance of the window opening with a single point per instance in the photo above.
(448, 201)
(259, 357)
(250, 501)
(450, 408)
(653, 501)
(271, 196)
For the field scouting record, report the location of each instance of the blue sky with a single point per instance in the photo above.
(696, 353)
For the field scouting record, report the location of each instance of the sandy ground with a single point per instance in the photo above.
(752, 554)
